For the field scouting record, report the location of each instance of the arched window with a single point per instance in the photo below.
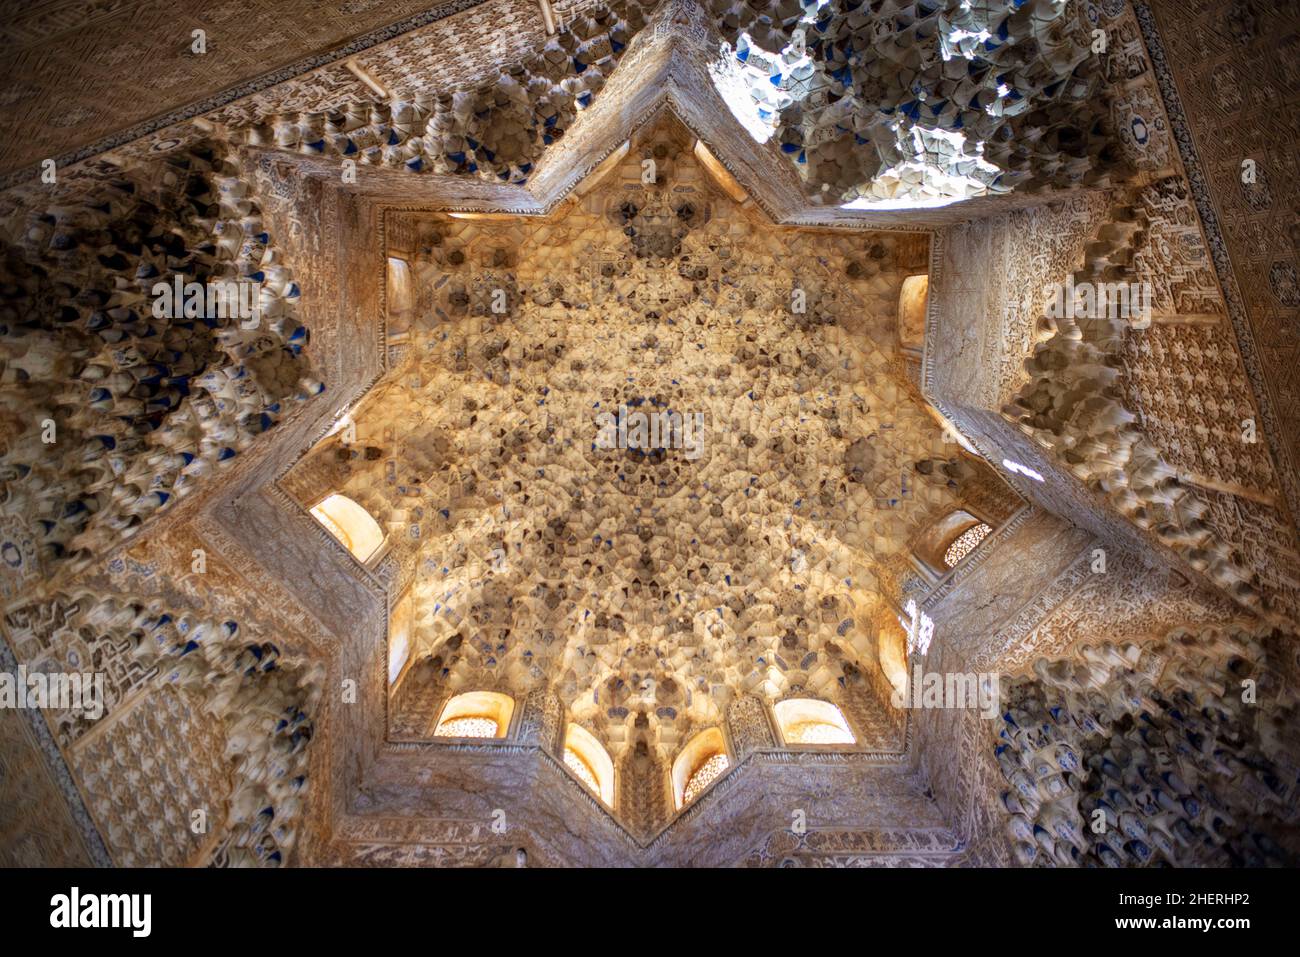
(350, 524)
(965, 543)
(400, 293)
(912, 302)
(891, 647)
(400, 286)
(399, 635)
(590, 762)
(700, 763)
(476, 714)
(945, 543)
(809, 721)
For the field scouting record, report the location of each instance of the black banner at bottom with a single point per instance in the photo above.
(338, 906)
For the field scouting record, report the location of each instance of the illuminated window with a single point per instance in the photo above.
(468, 728)
(350, 524)
(476, 714)
(704, 775)
(950, 539)
(911, 310)
(399, 635)
(400, 295)
(581, 768)
(965, 543)
(891, 646)
(809, 721)
(590, 762)
(698, 765)
(400, 286)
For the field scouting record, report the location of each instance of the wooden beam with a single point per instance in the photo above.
(548, 16)
(1228, 488)
(357, 70)
(720, 174)
(1186, 318)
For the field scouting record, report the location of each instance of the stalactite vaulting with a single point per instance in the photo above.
(1153, 755)
(660, 433)
(923, 100)
(112, 410)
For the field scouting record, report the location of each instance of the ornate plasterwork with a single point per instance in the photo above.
(449, 494)
(1127, 599)
(829, 847)
(208, 753)
(1004, 532)
(244, 33)
(964, 398)
(980, 99)
(1230, 481)
(1246, 226)
(1080, 739)
(377, 801)
(34, 767)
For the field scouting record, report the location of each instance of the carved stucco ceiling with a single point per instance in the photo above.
(667, 583)
(535, 563)
(884, 104)
(77, 72)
